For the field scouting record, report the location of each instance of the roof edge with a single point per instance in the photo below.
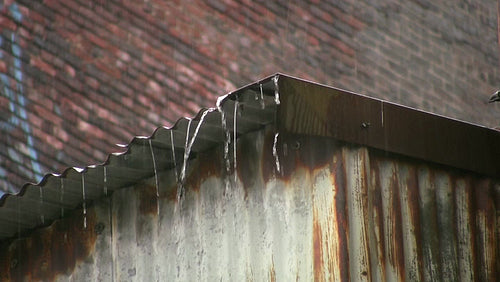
(355, 118)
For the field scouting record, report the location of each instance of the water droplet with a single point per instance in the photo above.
(156, 177)
(227, 140)
(276, 90)
(83, 203)
(61, 198)
(235, 132)
(187, 150)
(262, 102)
(180, 189)
(275, 152)
(40, 207)
(382, 112)
(173, 153)
(105, 173)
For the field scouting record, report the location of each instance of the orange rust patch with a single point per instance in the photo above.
(272, 272)
(377, 207)
(147, 199)
(338, 169)
(49, 252)
(396, 254)
(205, 165)
(414, 212)
(317, 248)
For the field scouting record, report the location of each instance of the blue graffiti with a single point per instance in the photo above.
(17, 99)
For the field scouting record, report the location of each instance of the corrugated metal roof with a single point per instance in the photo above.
(304, 108)
(39, 204)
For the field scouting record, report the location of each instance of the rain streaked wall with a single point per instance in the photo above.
(331, 211)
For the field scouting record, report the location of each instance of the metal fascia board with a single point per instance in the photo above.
(310, 108)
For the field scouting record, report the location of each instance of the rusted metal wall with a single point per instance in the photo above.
(331, 212)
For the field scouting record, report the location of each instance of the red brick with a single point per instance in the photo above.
(7, 23)
(3, 67)
(43, 66)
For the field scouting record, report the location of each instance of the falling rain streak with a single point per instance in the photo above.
(276, 135)
(276, 90)
(61, 198)
(235, 132)
(275, 153)
(227, 139)
(187, 151)
(262, 102)
(40, 209)
(83, 203)
(156, 177)
(173, 153)
(105, 176)
(180, 189)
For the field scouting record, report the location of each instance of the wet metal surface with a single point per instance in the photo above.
(360, 214)
(325, 111)
(346, 202)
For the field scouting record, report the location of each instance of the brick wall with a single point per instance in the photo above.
(78, 76)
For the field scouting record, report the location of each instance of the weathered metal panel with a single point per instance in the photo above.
(332, 212)
(389, 205)
(314, 109)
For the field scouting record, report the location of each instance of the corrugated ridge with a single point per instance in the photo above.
(38, 204)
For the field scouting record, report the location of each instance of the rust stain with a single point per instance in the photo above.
(465, 226)
(429, 229)
(378, 215)
(396, 249)
(147, 198)
(364, 205)
(248, 162)
(272, 272)
(375, 199)
(339, 171)
(317, 248)
(485, 230)
(414, 212)
(204, 165)
(295, 151)
(49, 252)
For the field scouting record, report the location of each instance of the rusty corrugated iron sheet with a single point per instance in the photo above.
(334, 212)
(39, 204)
(322, 189)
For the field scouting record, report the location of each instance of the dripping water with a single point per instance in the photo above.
(227, 140)
(234, 139)
(262, 102)
(382, 112)
(275, 152)
(180, 189)
(84, 205)
(175, 161)
(187, 150)
(61, 198)
(156, 177)
(40, 207)
(105, 173)
(276, 90)
(173, 153)
(276, 134)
